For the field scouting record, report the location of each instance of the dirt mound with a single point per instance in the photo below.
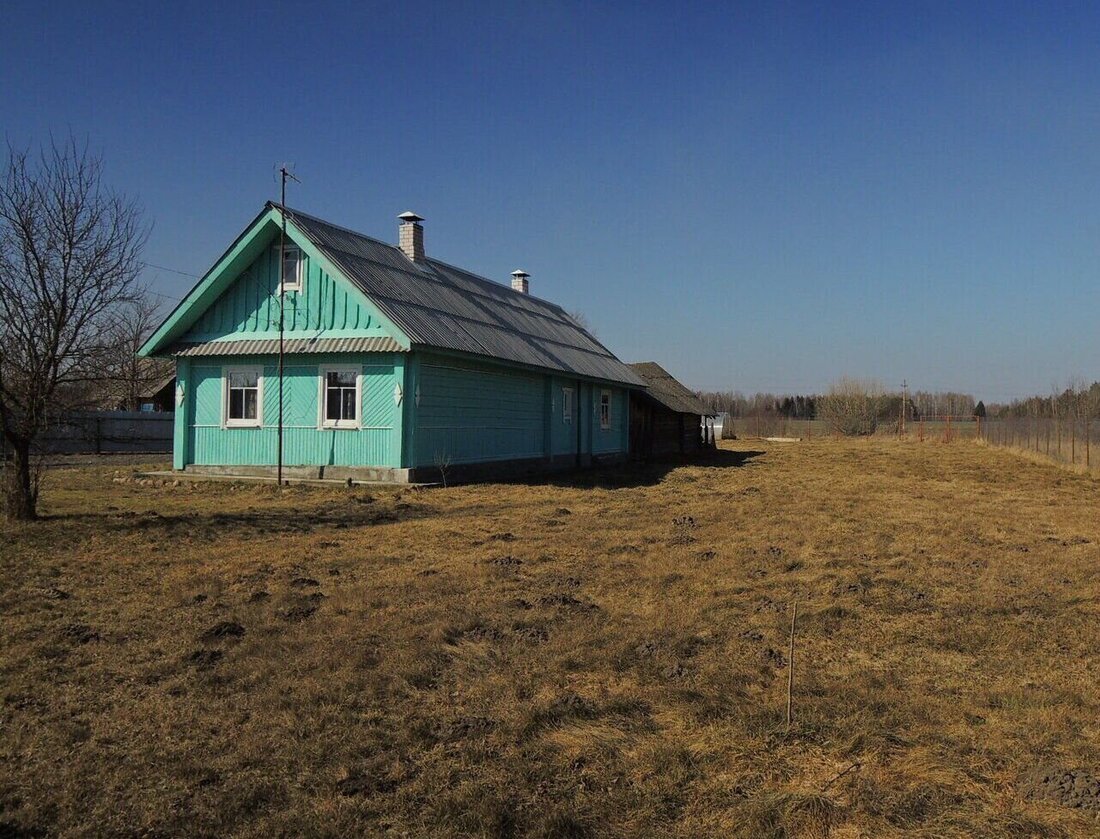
(79, 633)
(298, 613)
(222, 630)
(566, 601)
(531, 632)
(1069, 787)
(204, 658)
(460, 728)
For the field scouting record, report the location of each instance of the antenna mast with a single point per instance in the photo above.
(282, 293)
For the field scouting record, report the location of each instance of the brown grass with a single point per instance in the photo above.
(599, 659)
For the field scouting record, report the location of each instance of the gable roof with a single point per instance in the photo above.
(430, 304)
(440, 306)
(667, 391)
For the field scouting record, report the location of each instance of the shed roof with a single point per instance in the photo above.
(438, 305)
(667, 391)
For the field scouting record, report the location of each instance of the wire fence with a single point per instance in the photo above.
(1069, 440)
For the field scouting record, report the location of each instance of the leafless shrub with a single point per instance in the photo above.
(443, 464)
(851, 406)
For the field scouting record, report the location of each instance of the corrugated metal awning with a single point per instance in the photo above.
(268, 346)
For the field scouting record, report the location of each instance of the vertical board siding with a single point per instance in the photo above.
(250, 306)
(563, 435)
(609, 440)
(472, 413)
(305, 443)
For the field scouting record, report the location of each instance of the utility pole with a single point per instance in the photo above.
(282, 293)
(904, 402)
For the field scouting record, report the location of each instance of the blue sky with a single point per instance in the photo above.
(759, 196)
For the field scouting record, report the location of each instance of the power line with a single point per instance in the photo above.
(165, 296)
(171, 270)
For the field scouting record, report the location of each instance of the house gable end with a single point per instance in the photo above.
(238, 299)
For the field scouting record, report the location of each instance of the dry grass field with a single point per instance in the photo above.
(602, 657)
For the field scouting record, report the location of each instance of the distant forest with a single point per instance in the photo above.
(1077, 400)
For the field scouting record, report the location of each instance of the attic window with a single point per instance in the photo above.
(292, 269)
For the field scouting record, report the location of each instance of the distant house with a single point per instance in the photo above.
(158, 397)
(396, 365)
(666, 418)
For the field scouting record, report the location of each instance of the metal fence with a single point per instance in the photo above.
(1068, 440)
(1064, 439)
(108, 432)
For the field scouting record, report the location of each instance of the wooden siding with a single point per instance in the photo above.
(656, 431)
(376, 443)
(564, 434)
(611, 439)
(470, 413)
(249, 307)
(473, 413)
(467, 411)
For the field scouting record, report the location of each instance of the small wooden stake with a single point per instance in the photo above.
(790, 666)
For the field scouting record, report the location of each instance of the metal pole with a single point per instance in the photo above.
(282, 286)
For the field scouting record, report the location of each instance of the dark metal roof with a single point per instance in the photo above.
(664, 389)
(438, 305)
(266, 346)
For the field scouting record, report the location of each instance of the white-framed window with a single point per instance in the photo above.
(605, 409)
(244, 397)
(341, 389)
(292, 268)
(567, 404)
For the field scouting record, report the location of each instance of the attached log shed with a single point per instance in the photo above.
(667, 418)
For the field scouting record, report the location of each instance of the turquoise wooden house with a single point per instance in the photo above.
(395, 364)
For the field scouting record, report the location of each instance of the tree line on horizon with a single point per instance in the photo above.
(861, 406)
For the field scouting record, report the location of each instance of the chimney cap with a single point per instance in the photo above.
(410, 216)
(519, 272)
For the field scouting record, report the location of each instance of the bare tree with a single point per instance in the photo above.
(851, 406)
(127, 377)
(69, 259)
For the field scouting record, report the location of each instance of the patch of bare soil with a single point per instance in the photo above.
(1074, 788)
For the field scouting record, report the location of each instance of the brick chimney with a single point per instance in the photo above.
(519, 281)
(410, 236)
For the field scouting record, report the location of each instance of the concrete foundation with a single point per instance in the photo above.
(496, 470)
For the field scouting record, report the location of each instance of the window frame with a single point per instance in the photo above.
(295, 284)
(227, 376)
(605, 416)
(567, 405)
(323, 421)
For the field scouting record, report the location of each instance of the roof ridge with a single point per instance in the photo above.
(442, 280)
(291, 212)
